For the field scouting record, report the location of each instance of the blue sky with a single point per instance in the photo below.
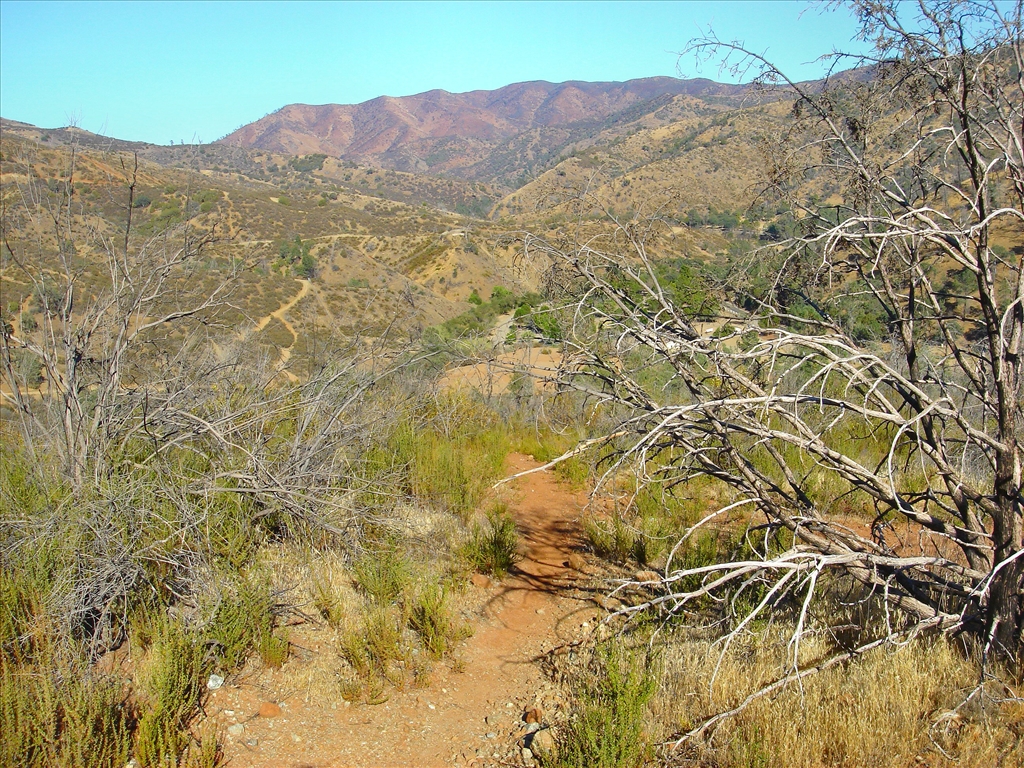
(165, 72)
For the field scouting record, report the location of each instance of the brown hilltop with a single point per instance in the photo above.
(444, 132)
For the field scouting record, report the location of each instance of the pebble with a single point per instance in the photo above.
(480, 580)
(491, 735)
(533, 727)
(236, 730)
(608, 603)
(543, 741)
(214, 682)
(296, 738)
(527, 754)
(269, 709)
(252, 742)
(577, 562)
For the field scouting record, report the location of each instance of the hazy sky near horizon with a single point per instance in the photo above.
(195, 71)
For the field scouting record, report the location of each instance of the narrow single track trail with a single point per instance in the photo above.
(280, 313)
(474, 716)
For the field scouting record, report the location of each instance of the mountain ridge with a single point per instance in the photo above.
(452, 133)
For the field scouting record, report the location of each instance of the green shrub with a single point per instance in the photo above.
(23, 591)
(377, 652)
(431, 617)
(494, 548)
(244, 622)
(325, 599)
(27, 715)
(384, 574)
(174, 677)
(613, 541)
(159, 741)
(649, 540)
(96, 722)
(606, 727)
(575, 470)
(544, 445)
(231, 535)
(53, 714)
(451, 468)
(172, 684)
(273, 650)
(308, 163)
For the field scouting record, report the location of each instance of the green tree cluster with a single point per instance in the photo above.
(297, 253)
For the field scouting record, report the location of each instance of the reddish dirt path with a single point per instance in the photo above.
(472, 717)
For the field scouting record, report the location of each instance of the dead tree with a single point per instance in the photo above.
(154, 406)
(905, 177)
(91, 336)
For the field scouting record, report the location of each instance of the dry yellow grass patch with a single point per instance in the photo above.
(889, 709)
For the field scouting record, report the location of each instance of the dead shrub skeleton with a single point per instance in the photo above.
(922, 154)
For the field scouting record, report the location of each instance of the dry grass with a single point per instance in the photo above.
(889, 709)
(388, 615)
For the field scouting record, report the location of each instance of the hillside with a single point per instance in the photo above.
(374, 262)
(379, 248)
(479, 135)
(384, 245)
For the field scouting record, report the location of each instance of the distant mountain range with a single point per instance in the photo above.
(475, 135)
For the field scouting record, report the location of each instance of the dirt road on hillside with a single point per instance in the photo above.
(471, 717)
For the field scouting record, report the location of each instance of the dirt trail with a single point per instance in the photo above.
(281, 311)
(285, 353)
(472, 717)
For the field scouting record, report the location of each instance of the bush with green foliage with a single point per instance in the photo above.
(481, 318)
(173, 682)
(243, 622)
(494, 548)
(297, 253)
(607, 727)
(431, 617)
(308, 163)
(57, 714)
(383, 573)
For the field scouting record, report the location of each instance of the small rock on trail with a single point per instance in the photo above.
(269, 709)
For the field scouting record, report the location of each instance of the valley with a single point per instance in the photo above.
(393, 248)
